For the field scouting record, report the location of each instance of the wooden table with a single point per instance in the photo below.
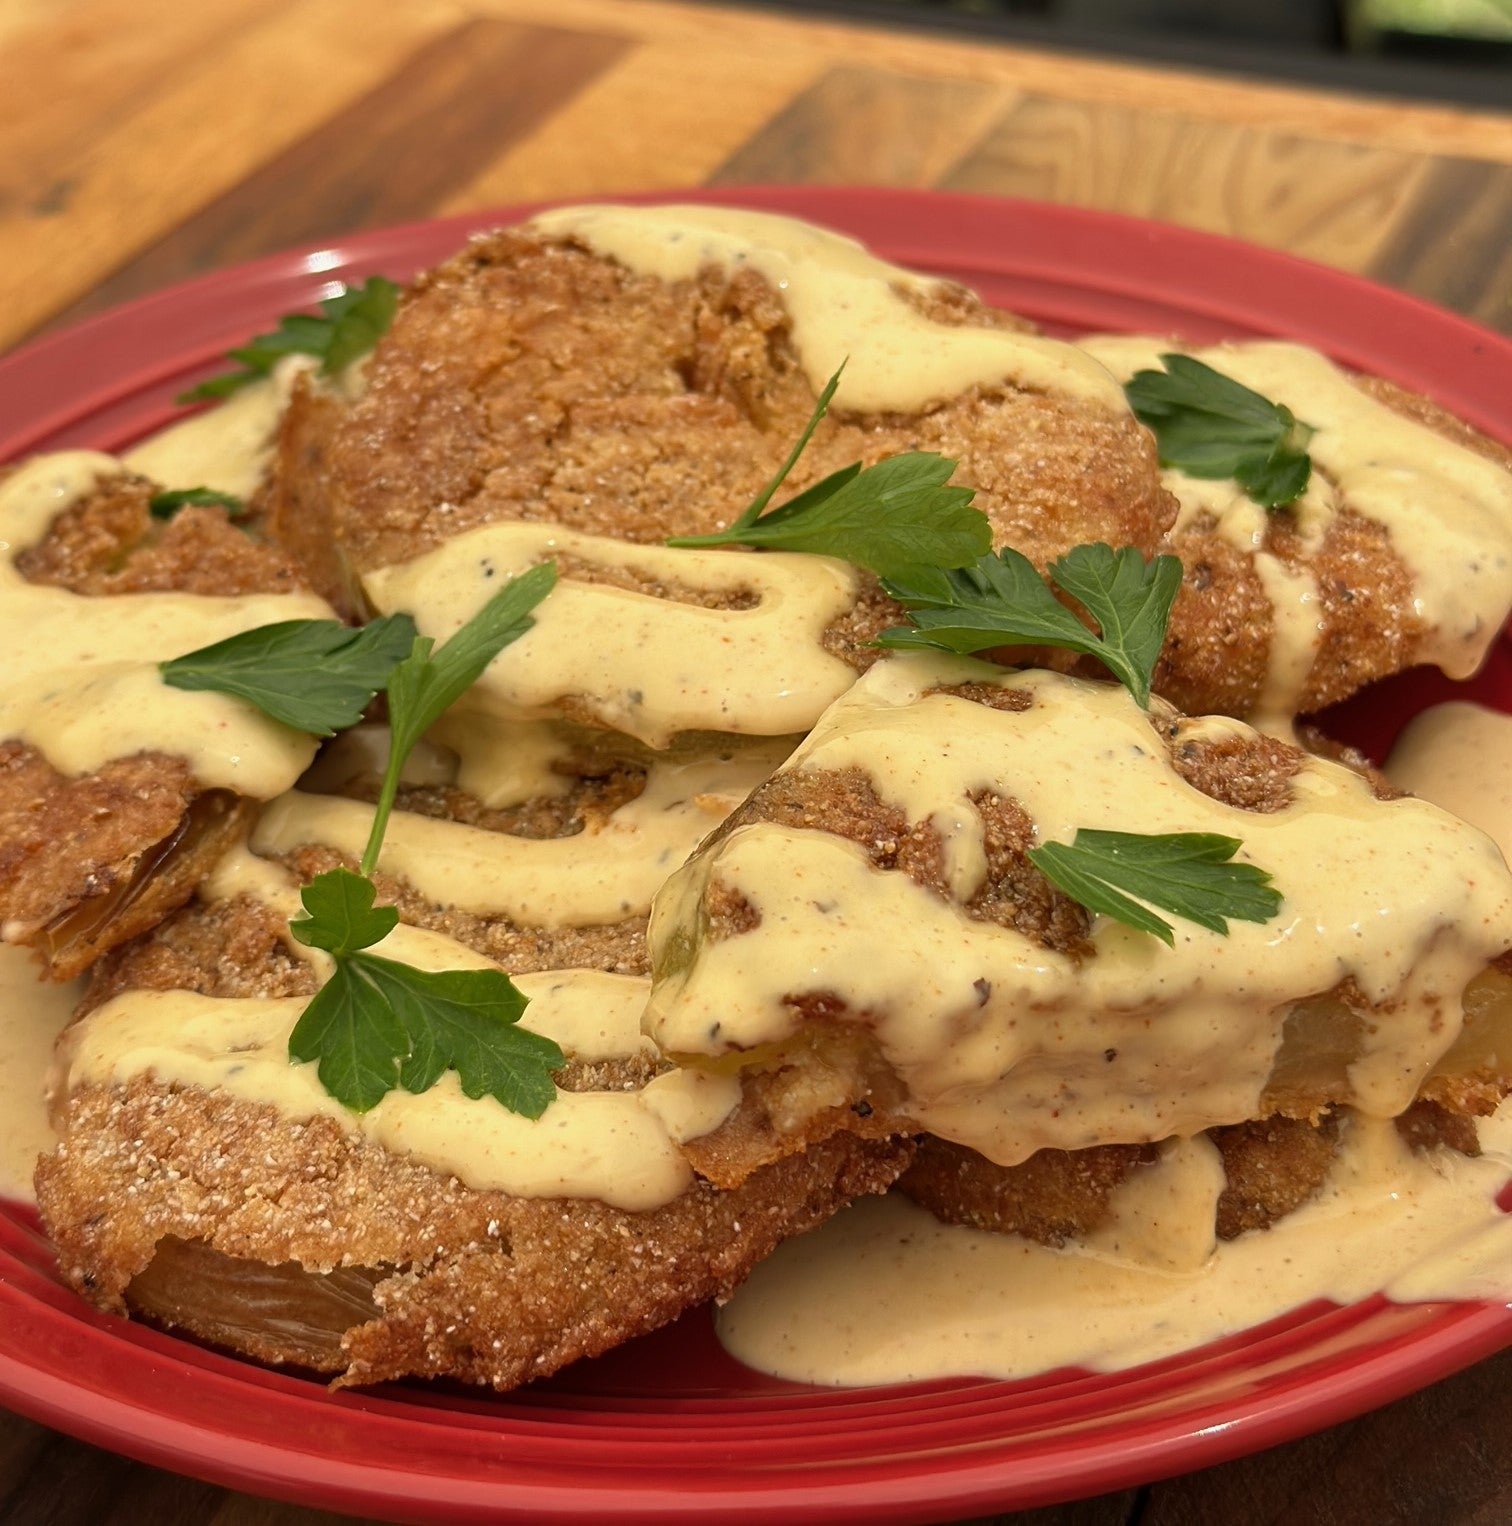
(144, 141)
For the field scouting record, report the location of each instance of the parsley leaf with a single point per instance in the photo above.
(1208, 425)
(347, 327)
(1002, 601)
(339, 915)
(464, 1020)
(166, 505)
(427, 683)
(317, 676)
(1186, 873)
(889, 517)
(359, 318)
(358, 1042)
(377, 1024)
(753, 510)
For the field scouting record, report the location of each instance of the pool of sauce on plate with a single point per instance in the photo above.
(33, 1015)
(1459, 755)
(884, 1293)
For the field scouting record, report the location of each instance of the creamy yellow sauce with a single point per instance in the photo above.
(239, 1048)
(885, 1294)
(228, 447)
(32, 1014)
(82, 682)
(646, 666)
(1459, 756)
(845, 304)
(592, 878)
(1447, 509)
(617, 1147)
(1413, 905)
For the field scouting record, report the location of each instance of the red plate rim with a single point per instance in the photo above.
(573, 1451)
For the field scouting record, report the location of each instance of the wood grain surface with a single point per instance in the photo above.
(145, 141)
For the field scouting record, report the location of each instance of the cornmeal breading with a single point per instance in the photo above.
(1272, 1166)
(110, 544)
(591, 800)
(293, 1240)
(1218, 648)
(530, 379)
(1294, 608)
(862, 805)
(89, 861)
(481, 1286)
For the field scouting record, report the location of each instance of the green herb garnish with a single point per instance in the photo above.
(317, 676)
(1002, 601)
(1208, 425)
(428, 682)
(889, 517)
(1186, 873)
(377, 1024)
(347, 327)
(166, 505)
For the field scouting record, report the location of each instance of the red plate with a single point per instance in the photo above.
(669, 1428)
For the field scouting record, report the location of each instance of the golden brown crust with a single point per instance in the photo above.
(1434, 416)
(845, 803)
(619, 947)
(831, 1080)
(480, 1286)
(238, 947)
(1272, 1167)
(831, 1076)
(1218, 646)
(109, 543)
(89, 862)
(1248, 771)
(592, 794)
(531, 379)
(1054, 1196)
(230, 948)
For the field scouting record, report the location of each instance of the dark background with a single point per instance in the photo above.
(1458, 51)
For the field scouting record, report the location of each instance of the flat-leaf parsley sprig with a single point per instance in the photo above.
(1186, 873)
(430, 679)
(890, 517)
(933, 553)
(1003, 601)
(317, 676)
(346, 328)
(1208, 425)
(377, 1024)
